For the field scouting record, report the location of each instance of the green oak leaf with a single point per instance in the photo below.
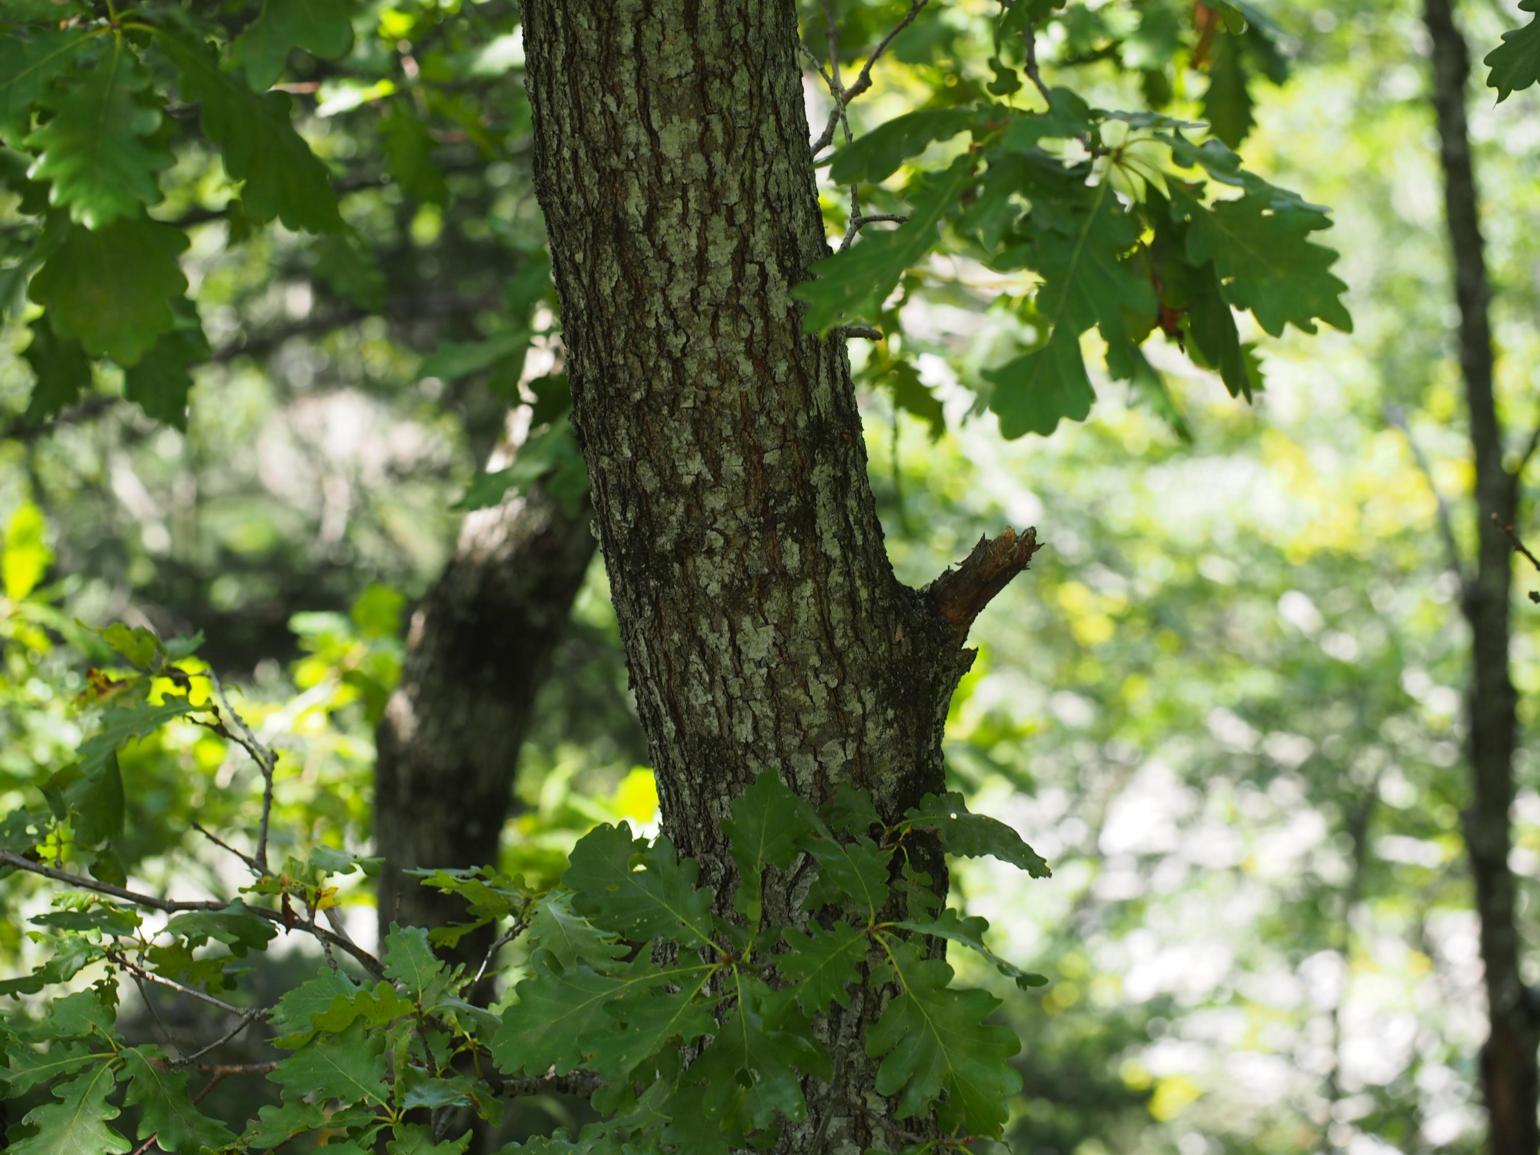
(27, 66)
(970, 933)
(876, 155)
(26, 1068)
(819, 964)
(933, 1038)
(456, 359)
(91, 798)
(282, 177)
(349, 1068)
(857, 868)
(410, 962)
(61, 372)
(1227, 103)
(567, 936)
(973, 835)
(76, 1120)
(417, 1139)
(854, 283)
(567, 1017)
(658, 902)
(294, 1016)
(167, 1110)
(373, 1006)
(1515, 63)
(767, 826)
(320, 27)
(162, 379)
(752, 1069)
(408, 148)
(643, 1024)
(235, 927)
(70, 956)
(1034, 391)
(1266, 262)
(114, 289)
(1079, 249)
(97, 152)
(122, 725)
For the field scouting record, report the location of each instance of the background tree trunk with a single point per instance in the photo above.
(478, 650)
(1509, 1075)
(762, 622)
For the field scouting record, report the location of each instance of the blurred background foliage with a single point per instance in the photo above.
(1225, 703)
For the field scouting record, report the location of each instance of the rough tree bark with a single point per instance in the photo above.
(1510, 1077)
(762, 622)
(478, 650)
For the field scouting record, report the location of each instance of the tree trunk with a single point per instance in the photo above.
(1509, 1074)
(762, 622)
(478, 650)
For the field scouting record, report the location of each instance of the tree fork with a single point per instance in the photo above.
(762, 621)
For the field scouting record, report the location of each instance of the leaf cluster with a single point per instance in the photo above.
(1125, 223)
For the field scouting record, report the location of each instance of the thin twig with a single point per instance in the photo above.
(498, 943)
(169, 906)
(843, 96)
(875, 218)
(1034, 73)
(1397, 419)
(1519, 546)
(171, 984)
(251, 863)
(262, 755)
(247, 1019)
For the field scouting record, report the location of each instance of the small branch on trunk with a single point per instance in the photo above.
(1521, 548)
(846, 331)
(961, 594)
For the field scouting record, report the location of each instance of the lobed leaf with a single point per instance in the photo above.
(114, 289)
(1515, 63)
(876, 155)
(97, 152)
(933, 1038)
(166, 1106)
(974, 835)
(320, 27)
(282, 178)
(660, 901)
(76, 1120)
(767, 826)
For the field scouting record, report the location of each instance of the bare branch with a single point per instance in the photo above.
(247, 1019)
(171, 984)
(262, 755)
(169, 906)
(863, 81)
(961, 594)
(575, 1083)
(866, 331)
(1520, 547)
(1034, 73)
(251, 863)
